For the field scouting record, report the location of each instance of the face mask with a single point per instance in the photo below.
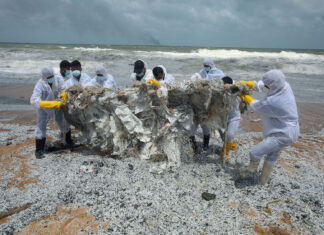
(50, 80)
(140, 75)
(207, 69)
(67, 73)
(101, 78)
(76, 73)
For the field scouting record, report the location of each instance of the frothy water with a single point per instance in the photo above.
(22, 63)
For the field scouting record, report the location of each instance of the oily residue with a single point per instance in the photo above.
(66, 220)
(270, 230)
(15, 163)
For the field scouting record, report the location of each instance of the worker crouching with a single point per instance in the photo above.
(279, 119)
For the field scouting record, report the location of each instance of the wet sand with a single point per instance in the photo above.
(23, 91)
(311, 119)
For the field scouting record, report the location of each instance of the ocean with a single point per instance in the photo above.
(20, 64)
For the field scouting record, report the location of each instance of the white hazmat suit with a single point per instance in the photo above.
(43, 91)
(168, 78)
(108, 81)
(213, 73)
(84, 81)
(148, 74)
(279, 117)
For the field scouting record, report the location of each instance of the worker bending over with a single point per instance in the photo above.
(279, 119)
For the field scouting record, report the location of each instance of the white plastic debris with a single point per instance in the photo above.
(146, 122)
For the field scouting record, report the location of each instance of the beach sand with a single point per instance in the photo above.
(84, 192)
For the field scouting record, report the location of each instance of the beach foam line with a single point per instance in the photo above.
(93, 49)
(234, 54)
(216, 54)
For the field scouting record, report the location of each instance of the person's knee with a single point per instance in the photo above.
(271, 161)
(272, 158)
(254, 156)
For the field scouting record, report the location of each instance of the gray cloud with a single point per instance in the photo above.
(70, 21)
(232, 23)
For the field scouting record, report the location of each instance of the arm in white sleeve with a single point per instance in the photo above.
(61, 84)
(220, 73)
(113, 80)
(262, 107)
(36, 96)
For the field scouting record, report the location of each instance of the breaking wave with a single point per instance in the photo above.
(93, 49)
(236, 54)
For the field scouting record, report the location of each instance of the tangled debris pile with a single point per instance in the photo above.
(146, 121)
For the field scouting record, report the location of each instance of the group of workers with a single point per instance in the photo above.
(278, 108)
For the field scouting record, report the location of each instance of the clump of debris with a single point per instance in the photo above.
(146, 121)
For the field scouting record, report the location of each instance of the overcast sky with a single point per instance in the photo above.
(219, 23)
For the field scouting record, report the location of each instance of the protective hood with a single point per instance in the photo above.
(164, 69)
(47, 72)
(145, 67)
(101, 70)
(145, 64)
(275, 80)
(209, 61)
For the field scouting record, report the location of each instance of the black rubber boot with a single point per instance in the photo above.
(40, 144)
(206, 142)
(194, 144)
(69, 141)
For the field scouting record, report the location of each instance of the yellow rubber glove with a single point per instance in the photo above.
(248, 83)
(246, 98)
(63, 96)
(226, 148)
(152, 81)
(45, 104)
(233, 147)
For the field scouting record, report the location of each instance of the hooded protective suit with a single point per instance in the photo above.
(84, 81)
(279, 117)
(109, 80)
(43, 91)
(213, 73)
(168, 78)
(148, 74)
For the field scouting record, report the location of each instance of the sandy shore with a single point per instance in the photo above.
(84, 192)
(23, 91)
